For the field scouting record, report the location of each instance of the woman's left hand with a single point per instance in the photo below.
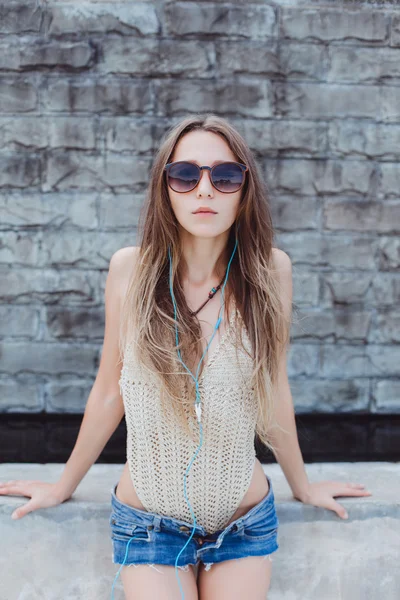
(322, 493)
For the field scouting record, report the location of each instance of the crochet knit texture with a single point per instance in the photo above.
(159, 452)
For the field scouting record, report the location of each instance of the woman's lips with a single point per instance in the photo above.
(205, 213)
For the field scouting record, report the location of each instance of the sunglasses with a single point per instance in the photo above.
(226, 177)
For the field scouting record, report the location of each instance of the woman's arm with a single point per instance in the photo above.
(288, 453)
(104, 409)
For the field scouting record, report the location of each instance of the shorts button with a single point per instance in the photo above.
(200, 542)
(184, 528)
(150, 527)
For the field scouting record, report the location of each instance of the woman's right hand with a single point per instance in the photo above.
(41, 494)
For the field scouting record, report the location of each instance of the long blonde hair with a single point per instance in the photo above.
(147, 319)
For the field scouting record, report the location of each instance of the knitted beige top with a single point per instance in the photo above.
(159, 451)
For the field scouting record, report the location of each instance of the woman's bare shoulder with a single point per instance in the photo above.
(123, 257)
(281, 260)
(122, 263)
(284, 271)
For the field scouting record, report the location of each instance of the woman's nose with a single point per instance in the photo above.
(205, 185)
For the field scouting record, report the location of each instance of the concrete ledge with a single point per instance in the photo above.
(64, 553)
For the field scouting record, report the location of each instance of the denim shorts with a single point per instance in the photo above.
(157, 539)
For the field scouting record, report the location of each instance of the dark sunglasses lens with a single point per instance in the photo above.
(183, 177)
(227, 177)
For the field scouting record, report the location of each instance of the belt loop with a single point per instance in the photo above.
(234, 526)
(156, 523)
(239, 526)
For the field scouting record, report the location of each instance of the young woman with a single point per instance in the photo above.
(197, 330)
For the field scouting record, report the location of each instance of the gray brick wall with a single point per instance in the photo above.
(87, 89)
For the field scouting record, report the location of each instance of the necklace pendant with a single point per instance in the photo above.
(211, 294)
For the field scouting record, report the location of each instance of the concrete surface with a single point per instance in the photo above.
(64, 553)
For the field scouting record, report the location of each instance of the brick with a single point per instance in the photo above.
(304, 247)
(49, 358)
(362, 216)
(48, 210)
(319, 100)
(324, 250)
(326, 25)
(20, 17)
(249, 21)
(383, 359)
(17, 96)
(389, 108)
(305, 287)
(304, 177)
(244, 97)
(332, 325)
(74, 170)
(18, 131)
(115, 96)
(43, 132)
(390, 180)
(389, 218)
(69, 397)
(248, 56)
(56, 55)
(344, 288)
(291, 215)
(385, 289)
(395, 31)
(154, 57)
(369, 65)
(303, 61)
(330, 395)
(385, 328)
(386, 395)
(93, 250)
(109, 17)
(19, 321)
(114, 208)
(71, 132)
(389, 253)
(366, 139)
(27, 285)
(20, 170)
(344, 360)
(75, 323)
(20, 397)
(303, 359)
(285, 137)
(19, 248)
(335, 252)
(127, 133)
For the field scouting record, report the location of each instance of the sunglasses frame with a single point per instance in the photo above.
(244, 168)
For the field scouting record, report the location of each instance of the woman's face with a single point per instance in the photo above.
(204, 148)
